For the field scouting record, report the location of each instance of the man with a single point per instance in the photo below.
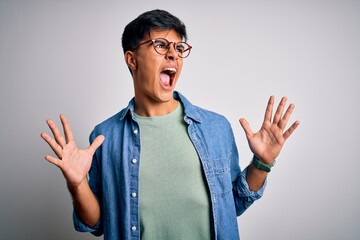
(163, 168)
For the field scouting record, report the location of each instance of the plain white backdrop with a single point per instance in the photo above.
(66, 57)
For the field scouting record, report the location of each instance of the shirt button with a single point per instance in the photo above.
(136, 131)
(134, 161)
(133, 194)
(133, 228)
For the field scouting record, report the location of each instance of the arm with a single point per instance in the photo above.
(85, 203)
(75, 163)
(267, 143)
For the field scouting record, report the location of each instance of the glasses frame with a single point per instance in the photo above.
(152, 41)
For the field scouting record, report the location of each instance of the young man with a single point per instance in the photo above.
(163, 168)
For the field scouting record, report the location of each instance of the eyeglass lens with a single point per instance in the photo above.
(162, 46)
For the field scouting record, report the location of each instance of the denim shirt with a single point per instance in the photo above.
(114, 173)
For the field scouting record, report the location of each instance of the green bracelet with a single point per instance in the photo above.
(263, 166)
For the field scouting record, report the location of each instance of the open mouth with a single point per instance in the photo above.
(167, 76)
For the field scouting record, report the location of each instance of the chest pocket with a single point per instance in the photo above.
(221, 167)
(215, 155)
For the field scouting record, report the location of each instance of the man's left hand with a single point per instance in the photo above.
(267, 143)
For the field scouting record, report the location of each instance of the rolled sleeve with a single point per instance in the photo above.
(81, 227)
(244, 197)
(245, 190)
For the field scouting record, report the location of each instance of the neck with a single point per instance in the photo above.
(153, 109)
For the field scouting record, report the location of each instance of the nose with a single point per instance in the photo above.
(172, 53)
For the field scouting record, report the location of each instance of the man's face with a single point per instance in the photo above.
(155, 75)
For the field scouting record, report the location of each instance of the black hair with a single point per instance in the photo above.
(135, 31)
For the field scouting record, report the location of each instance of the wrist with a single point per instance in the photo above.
(76, 189)
(261, 165)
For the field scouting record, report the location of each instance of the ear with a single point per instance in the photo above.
(130, 60)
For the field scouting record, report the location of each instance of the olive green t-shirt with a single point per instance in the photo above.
(173, 196)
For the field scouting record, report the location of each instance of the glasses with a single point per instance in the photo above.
(162, 46)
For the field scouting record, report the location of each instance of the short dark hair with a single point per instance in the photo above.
(135, 31)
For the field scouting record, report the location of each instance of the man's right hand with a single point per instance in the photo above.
(74, 163)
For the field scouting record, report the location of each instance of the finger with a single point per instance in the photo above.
(95, 144)
(284, 120)
(67, 129)
(55, 161)
(246, 126)
(291, 129)
(279, 110)
(56, 132)
(53, 144)
(269, 109)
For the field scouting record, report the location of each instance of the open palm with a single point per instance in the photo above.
(74, 162)
(267, 143)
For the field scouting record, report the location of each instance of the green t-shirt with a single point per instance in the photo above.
(174, 200)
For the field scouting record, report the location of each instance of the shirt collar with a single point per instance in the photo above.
(190, 110)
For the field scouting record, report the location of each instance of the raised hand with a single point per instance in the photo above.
(74, 162)
(267, 143)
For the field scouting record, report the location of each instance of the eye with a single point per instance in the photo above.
(180, 47)
(159, 44)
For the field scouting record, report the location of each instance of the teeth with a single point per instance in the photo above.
(172, 70)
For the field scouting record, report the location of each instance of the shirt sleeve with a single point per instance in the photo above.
(243, 196)
(81, 227)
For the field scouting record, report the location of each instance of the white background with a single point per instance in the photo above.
(66, 57)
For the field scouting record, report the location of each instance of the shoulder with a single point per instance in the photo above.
(201, 115)
(209, 116)
(110, 125)
(214, 130)
(214, 123)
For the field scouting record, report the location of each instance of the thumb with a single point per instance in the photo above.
(246, 126)
(96, 143)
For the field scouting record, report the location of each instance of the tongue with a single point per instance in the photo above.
(165, 79)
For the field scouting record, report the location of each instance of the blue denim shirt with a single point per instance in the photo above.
(114, 174)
